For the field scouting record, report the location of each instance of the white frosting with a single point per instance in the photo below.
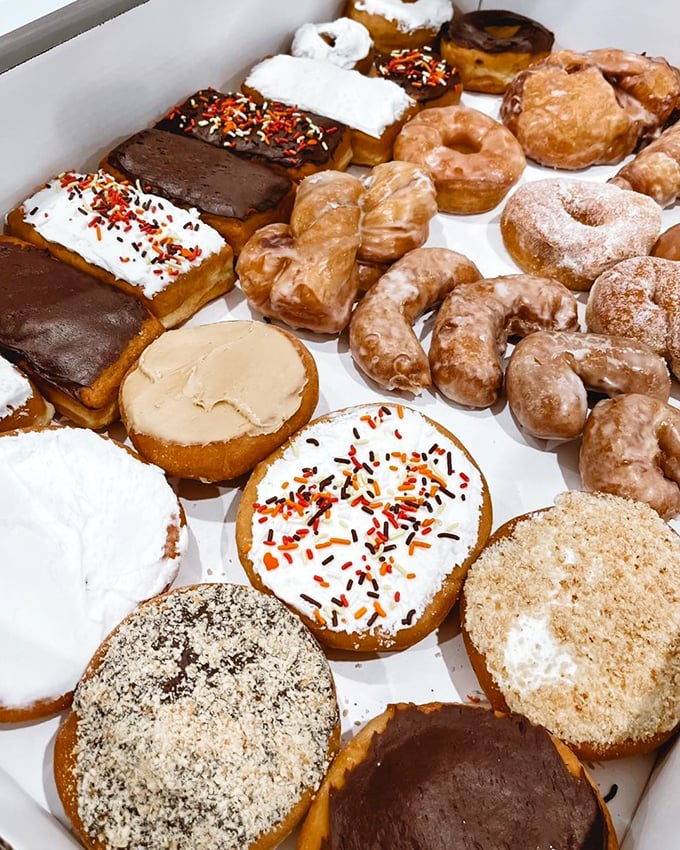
(368, 104)
(83, 525)
(15, 390)
(411, 557)
(534, 657)
(427, 14)
(351, 42)
(67, 217)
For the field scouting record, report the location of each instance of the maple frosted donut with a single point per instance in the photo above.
(423, 74)
(573, 230)
(570, 618)
(472, 158)
(631, 448)
(364, 524)
(640, 298)
(21, 405)
(550, 372)
(428, 776)
(206, 402)
(96, 530)
(207, 719)
(394, 24)
(490, 46)
(343, 42)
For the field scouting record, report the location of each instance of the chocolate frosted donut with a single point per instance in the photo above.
(490, 46)
(424, 75)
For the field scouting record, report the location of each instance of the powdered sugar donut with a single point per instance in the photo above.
(343, 42)
(401, 23)
(573, 230)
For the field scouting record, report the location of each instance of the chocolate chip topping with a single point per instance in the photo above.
(67, 326)
(475, 31)
(193, 174)
(462, 778)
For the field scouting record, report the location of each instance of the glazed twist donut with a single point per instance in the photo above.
(472, 158)
(381, 336)
(344, 42)
(631, 448)
(474, 322)
(640, 298)
(305, 273)
(549, 372)
(655, 171)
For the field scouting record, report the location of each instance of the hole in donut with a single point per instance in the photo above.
(508, 31)
(328, 38)
(588, 215)
(463, 143)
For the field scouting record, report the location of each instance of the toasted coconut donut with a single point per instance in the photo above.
(343, 42)
(631, 448)
(640, 298)
(572, 230)
(572, 110)
(472, 158)
(394, 24)
(381, 336)
(305, 273)
(570, 618)
(474, 322)
(655, 171)
(333, 546)
(549, 372)
(398, 202)
(450, 775)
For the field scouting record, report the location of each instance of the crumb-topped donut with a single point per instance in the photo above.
(472, 158)
(343, 42)
(209, 402)
(364, 523)
(207, 719)
(490, 46)
(21, 405)
(574, 230)
(394, 24)
(89, 530)
(640, 298)
(456, 776)
(424, 75)
(570, 618)
(631, 448)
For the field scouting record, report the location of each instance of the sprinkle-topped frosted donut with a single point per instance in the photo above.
(364, 523)
(424, 75)
(343, 42)
(395, 24)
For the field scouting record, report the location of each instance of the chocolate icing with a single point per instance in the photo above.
(271, 132)
(409, 69)
(197, 175)
(67, 326)
(470, 31)
(462, 778)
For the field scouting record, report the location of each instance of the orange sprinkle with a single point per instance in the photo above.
(342, 541)
(359, 614)
(319, 619)
(422, 543)
(410, 575)
(400, 411)
(379, 609)
(271, 562)
(286, 547)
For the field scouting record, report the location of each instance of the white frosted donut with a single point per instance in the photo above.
(394, 24)
(574, 230)
(343, 42)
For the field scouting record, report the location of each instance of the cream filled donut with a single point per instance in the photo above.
(343, 42)
(574, 230)
(89, 530)
(21, 405)
(209, 402)
(364, 523)
(395, 24)
(570, 617)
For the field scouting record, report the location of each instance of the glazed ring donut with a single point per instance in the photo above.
(640, 298)
(631, 448)
(474, 322)
(489, 47)
(381, 336)
(572, 230)
(473, 159)
(394, 24)
(549, 372)
(343, 42)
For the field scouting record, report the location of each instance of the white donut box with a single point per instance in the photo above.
(65, 108)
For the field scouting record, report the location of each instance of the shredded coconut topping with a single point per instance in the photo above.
(209, 717)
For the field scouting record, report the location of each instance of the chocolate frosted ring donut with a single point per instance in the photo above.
(490, 46)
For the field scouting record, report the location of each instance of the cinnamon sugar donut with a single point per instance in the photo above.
(472, 327)
(394, 24)
(381, 337)
(473, 159)
(640, 298)
(570, 618)
(364, 524)
(549, 372)
(574, 230)
(343, 42)
(631, 448)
